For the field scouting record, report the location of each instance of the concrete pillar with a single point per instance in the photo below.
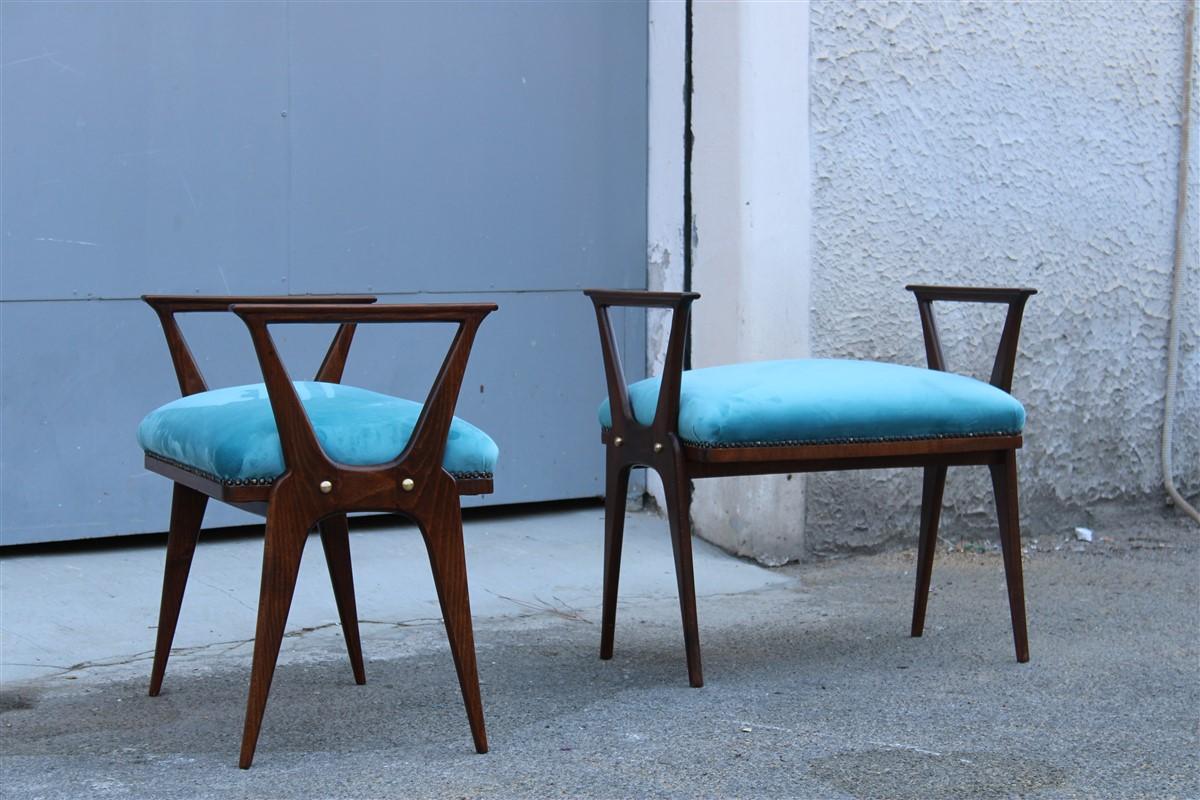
(664, 179)
(751, 181)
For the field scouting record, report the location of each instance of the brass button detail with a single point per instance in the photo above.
(657, 447)
(326, 487)
(407, 484)
(618, 441)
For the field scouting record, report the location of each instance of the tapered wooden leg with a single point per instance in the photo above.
(678, 496)
(616, 488)
(931, 511)
(447, 557)
(1004, 485)
(187, 514)
(335, 541)
(286, 534)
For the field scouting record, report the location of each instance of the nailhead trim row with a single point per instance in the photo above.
(804, 443)
(269, 481)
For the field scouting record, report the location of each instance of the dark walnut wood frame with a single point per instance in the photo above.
(316, 491)
(659, 447)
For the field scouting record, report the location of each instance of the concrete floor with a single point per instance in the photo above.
(813, 688)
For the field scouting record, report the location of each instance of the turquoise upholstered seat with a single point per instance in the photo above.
(813, 401)
(230, 433)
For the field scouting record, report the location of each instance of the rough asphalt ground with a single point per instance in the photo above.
(814, 690)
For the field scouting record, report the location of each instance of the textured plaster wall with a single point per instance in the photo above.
(1007, 144)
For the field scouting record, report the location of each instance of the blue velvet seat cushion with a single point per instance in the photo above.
(827, 400)
(230, 433)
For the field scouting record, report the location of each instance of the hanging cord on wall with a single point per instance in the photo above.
(1177, 273)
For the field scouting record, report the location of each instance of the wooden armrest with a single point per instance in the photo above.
(279, 313)
(637, 298)
(666, 415)
(1006, 353)
(970, 294)
(187, 371)
(186, 303)
(427, 444)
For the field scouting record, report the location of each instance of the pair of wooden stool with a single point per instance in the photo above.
(304, 454)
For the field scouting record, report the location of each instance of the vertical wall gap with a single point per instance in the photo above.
(287, 180)
(688, 140)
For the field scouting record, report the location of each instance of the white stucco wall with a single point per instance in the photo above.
(967, 143)
(1007, 144)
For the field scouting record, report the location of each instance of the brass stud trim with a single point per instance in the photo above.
(658, 447)
(618, 441)
(326, 487)
(408, 484)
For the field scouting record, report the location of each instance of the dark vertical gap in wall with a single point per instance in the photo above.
(688, 140)
(287, 129)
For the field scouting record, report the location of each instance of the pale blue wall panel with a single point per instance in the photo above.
(143, 148)
(468, 146)
(474, 151)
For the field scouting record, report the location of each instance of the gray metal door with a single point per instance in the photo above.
(418, 151)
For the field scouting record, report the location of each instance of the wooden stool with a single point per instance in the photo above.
(305, 454)
(807, 415)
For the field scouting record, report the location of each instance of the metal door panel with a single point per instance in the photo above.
(468, 146)
(143, 149)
